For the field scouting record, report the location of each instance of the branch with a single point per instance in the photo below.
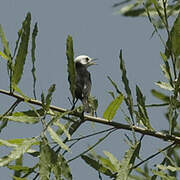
(117, 125)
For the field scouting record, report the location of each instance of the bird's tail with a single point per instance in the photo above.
(86, 105)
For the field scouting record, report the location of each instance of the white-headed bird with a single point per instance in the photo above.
(83, 80)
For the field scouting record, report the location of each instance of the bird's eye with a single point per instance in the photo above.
(87, 59)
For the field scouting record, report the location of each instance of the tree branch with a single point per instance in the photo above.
(117, 125)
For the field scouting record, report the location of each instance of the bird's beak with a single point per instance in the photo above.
(92, 62)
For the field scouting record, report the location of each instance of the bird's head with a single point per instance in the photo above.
(85, 60)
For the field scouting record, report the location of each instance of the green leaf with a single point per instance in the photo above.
(71, 66)
(93, 104)
(17, 41)
(160, 95)
(115, 85)
(34, 34)
(63, 128)
(50, 161)
(135, 153)
(59, 131)
(111, 110)
(19, 162)
(65, 170)
(23, 119)
(18, 178)
(128, 99)
(49, 95)
(164, 85)
(177, 86)
(104, 161)
(29, 117)
(131, 10)
(5, 43)
(46, 158)
(24, 169)
(15, 142)
(22, 51)
(171, 168)
(142, 108)
(57, 139)
(172, 44)
(4, 56)
(30, 113)
(113, 160)
(163, 175)
(166, 68)
(17, 152)
(47, 101)
(96, 165)
(126, 163)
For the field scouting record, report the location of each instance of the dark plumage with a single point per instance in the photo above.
(83, 80)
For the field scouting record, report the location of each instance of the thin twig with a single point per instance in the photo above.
(89, 135)
(152, 156)
(11, 109)
(90, 148)
(77, 139)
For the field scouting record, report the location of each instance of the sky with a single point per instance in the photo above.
(99, 32)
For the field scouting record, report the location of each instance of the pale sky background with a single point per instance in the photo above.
(99, 33)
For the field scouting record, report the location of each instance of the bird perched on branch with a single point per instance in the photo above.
(83, 80)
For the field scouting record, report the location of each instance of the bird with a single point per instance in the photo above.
(83, 80)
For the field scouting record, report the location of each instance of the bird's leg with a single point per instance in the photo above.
(95, 113)
(74, 103)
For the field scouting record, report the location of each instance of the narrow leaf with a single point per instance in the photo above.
(96, 165)
(166, 68)
(71, 66)
(172, 44)
(34, 34)
(22, 51)
(18, 178)
(111, 110)
(142, 108)
(19, 162)
(126, 163)
(49, 95)
(65, 170)
(15, 142)
(115, 85)
(45, 160)
(4, 56)
(112, 159)
(171, 168)
(124, 77)
(104, 161)
(17, 152)
(129, 99)
(57, 139)
(17, 41)
(164, 85)
(23, 119)
(19, 168)
(5, 43)
(29, 117)
(160, 95)
(63, 128)
(50, 161)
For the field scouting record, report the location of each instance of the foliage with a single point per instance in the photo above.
(137, 8)
(59, 125)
